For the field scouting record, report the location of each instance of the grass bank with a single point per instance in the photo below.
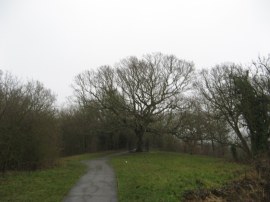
(164, 176)
(50, 185)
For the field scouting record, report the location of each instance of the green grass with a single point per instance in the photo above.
(44, 185)
(163, 176)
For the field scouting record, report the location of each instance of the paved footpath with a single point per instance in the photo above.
(97, 185)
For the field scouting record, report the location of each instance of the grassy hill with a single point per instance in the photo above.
(164, 176)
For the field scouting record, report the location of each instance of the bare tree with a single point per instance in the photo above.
(139, 91)
(218, 88)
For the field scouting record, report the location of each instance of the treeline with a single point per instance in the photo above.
(28, 128)
(157, 101)
(163, 102)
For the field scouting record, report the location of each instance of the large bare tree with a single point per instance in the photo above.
(139, 91)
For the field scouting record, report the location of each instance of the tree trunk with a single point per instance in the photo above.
(139, 134)
(244, 143)
(213, 146)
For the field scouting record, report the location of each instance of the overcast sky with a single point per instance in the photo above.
(54, 40)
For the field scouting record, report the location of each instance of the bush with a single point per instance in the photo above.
(28, 127)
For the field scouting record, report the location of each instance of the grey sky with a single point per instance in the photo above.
(54, 40)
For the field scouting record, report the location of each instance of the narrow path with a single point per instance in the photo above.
(97, 185)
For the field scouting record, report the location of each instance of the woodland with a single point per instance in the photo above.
(157, 101)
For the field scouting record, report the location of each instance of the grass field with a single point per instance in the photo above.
(149, 177)
(163, 177)
(50, 185)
